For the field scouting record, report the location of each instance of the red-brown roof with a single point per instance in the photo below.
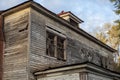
(63, 12)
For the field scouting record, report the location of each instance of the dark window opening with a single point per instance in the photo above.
(55, 46)
(60, 47)
(73, 23)
(26, 28)
(50, 44)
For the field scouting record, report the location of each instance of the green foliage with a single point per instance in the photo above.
(117, 12)
(117, 6)
(117, 67)
(110, 34)
(101, 36)
(114, 36)
(114, 32)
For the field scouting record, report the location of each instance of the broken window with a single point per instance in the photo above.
(50, 44)
(55, 46)
(60, 47)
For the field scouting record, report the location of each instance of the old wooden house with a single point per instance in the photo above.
(37, 44)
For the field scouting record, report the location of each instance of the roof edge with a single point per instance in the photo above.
(16, 8)
(71, 14)
(36, 5)
(1, 11)
(78, 30)
(86, 65)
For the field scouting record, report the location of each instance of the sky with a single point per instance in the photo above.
(94, 13)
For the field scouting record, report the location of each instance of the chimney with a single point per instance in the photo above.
(70, 17)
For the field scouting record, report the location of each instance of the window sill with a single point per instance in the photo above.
(61, 59)
(51, 57)
(55, 58)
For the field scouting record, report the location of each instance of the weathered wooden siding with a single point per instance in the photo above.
(75, 43)
(38, 58)
(73, 76)
(1, 48)
(99, 77)
(16, 45)
(64, 75)
(25, 46)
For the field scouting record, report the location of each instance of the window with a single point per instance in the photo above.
(55, 46)
(73, 23)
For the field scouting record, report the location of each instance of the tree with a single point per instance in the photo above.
(101, 36)
(114, 37)
(115, 31)
(110, 35)
(117, 6)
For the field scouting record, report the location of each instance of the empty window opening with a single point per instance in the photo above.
(55, 46)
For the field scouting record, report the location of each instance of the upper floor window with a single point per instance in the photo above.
(55, 46)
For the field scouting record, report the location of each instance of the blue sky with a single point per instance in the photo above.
(94, 13)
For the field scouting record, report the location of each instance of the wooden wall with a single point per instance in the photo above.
(38, 60)
(1, 48)
(76, 50)
(25, 46)
(16, 27)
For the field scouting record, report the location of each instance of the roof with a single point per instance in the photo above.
(84, 67)
(71, 14)
(54, 16)
(1, 11)
(62, 12)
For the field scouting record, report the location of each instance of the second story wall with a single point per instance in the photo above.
(78, 48)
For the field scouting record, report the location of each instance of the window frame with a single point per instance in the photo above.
(57, 35)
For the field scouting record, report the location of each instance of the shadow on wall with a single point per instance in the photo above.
(1, 48)
(79, 53)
